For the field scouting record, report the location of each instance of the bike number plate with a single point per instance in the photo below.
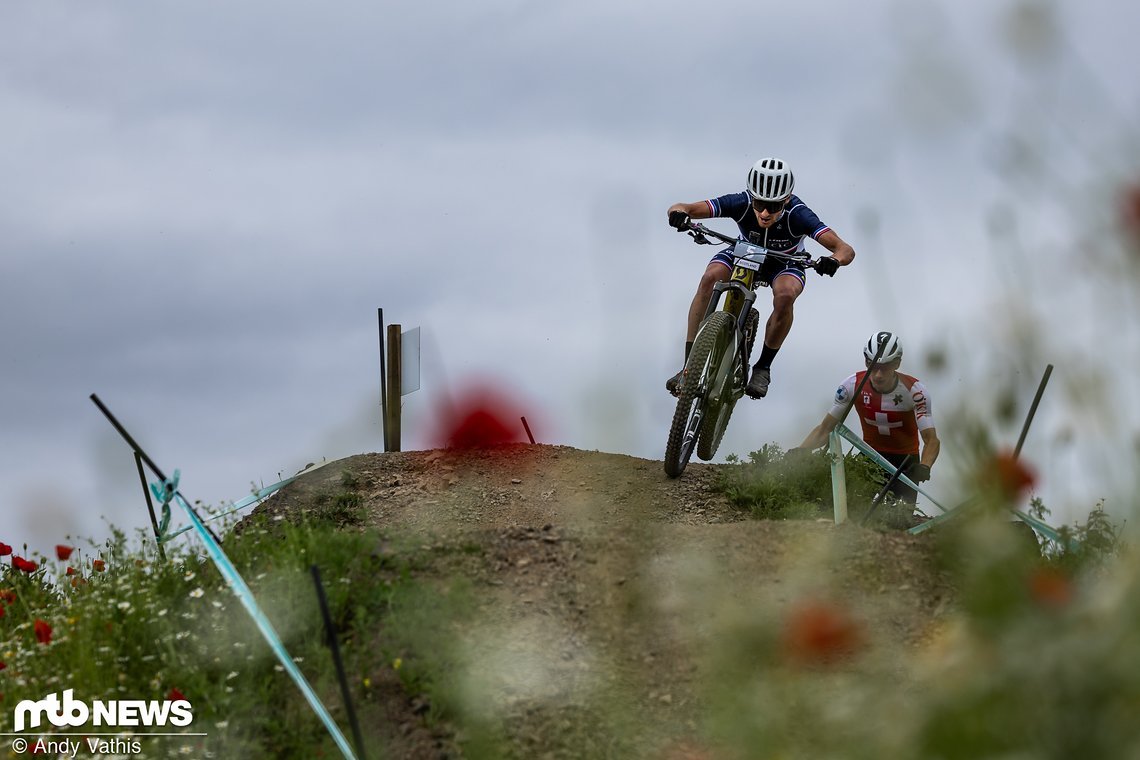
(749, 256)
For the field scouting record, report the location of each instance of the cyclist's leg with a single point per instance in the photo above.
(718, 270)
(901, 490)
(786, 288)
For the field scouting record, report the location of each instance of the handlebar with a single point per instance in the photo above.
(701, 234)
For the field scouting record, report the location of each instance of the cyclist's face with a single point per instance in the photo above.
(768, 212)
(883, 376)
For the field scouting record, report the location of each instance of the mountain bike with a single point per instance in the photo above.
(716, 371)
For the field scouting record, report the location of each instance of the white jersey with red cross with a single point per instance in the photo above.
(891, 421)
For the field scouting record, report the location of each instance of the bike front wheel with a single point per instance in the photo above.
(717, 413)
(712, 346)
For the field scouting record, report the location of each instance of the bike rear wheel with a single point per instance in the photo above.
(715, 421)
(713, 343)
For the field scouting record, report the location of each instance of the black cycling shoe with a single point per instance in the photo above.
(673, 384)
(758, 386)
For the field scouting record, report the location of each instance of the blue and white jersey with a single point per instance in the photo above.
(785, 236)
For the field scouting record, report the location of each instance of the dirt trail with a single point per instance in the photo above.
(604, 582)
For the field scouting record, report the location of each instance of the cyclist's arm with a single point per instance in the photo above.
(839, 248)
(698, 210)
(818, 435)
(930, 447)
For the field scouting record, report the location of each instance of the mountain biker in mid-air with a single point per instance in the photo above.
(770, 216)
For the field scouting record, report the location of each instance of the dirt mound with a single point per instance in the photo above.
(599, 575)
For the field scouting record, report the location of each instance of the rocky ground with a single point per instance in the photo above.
(597, 575)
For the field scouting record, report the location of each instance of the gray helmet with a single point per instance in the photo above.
(891, 348)
(770, 179)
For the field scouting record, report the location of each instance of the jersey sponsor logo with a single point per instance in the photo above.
(867, 399)
(919, 404)
(841, 394)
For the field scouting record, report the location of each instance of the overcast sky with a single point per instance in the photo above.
(203, 205)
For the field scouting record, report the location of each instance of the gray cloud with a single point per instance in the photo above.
(203, 206)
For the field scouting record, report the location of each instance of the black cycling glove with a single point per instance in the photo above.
(919, 473)
(678, 220)
(828, 265)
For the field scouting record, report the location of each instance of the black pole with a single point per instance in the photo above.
(330, 631)
(149, 462)
(883, 491)
(383, 382)
(1032, 410)
(150, 508)
(526, 427)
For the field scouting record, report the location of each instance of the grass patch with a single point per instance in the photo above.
(771, 485)
(114, 622)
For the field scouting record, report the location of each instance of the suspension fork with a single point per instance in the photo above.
(737, 292)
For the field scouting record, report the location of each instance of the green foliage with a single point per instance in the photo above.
(140, 628)
(772, 485)
(341, 509)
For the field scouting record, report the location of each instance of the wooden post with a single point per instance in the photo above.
(383, 384)
(392, 410)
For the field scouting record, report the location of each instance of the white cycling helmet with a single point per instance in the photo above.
(892, 348)
(770, 179)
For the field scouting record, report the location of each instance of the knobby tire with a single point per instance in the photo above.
(717, 415)
(716, 418)
(700, 368)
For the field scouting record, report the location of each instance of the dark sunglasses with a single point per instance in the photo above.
(772, 207)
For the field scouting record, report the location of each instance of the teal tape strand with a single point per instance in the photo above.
(163, 492)
(237, 584)
(237, 506)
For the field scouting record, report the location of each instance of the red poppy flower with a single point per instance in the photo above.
(22, 564)
(3, 665)
(1008, 475)
(1050, 588)
(70, 570)
(63, 552)
(43, 631)
(97, 565)
(176, 696)
(820, 633)
(5, 550)
(8, 595)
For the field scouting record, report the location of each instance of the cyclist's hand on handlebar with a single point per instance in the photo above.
(828, 265)
(679, 220)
